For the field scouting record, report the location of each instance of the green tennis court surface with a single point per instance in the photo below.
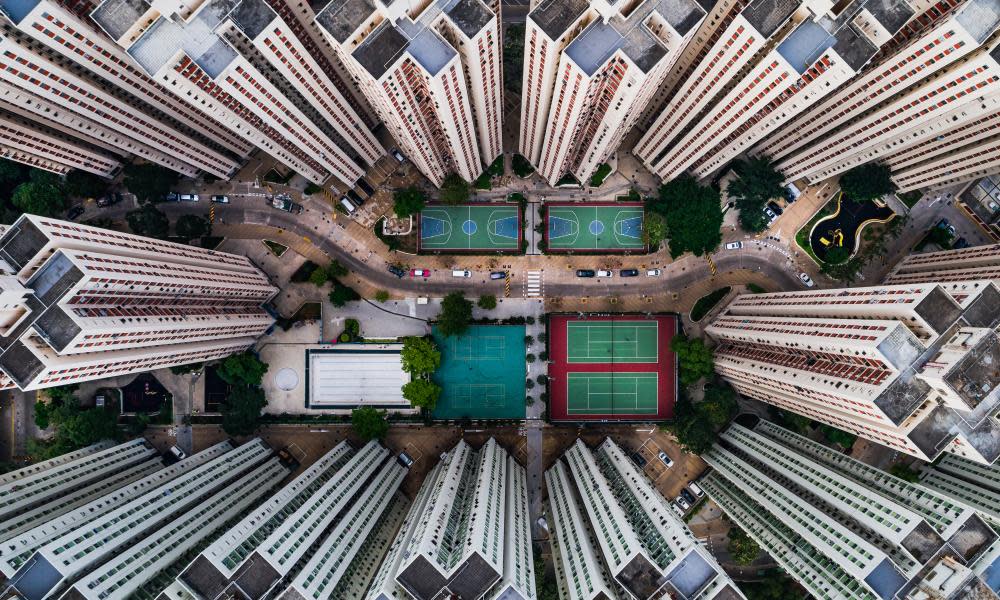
(482, 373)
(470, 227)
(611, 342)
(611, 393)
(581, 227)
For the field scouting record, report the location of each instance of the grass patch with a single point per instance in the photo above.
(521, 167)
(910, 198)
(802, 235)
(708, 302)
(483, 182)
(568, 179)
(602, 172)
(275, 248)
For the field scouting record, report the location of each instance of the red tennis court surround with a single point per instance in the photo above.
(605, 367)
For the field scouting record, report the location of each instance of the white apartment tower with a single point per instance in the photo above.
(907, 366)
(948, 266)
(775, 60)
(590, 69)
(83, 303)
(432, 73)
(846, 530)
(466, 533)
(968, 482)
(615, 537)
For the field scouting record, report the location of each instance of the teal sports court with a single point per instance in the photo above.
(577, 227)
(486, 227)
(482, 373)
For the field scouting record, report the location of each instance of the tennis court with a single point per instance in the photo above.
(611, 367)
(482, 373)
(612, 341)
(605, 226)
(491, 227)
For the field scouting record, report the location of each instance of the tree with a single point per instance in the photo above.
(454, 189)
(420, 355)
(336, 270)
(654, 229)
(342, 294)
(869, 181)
(11, 171)
(693, 215)
(456, 315)
(189, 227)
(741, 546)
(42, 415)
(243, 368)
(845, 271)
(319, 277)
(695, 435)
(408, 201)
(837, 436)
(382, 296)
(694, 357)
(81, 184)
(757, 182)
(719, 405)
(148, 220)
(149, 182)
(85, 427)
(836, 255)
(241, 409)
(42, 195)
(422, 393)
(369, 423)
(487, 302)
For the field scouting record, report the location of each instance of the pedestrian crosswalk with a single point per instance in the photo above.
(534, 284)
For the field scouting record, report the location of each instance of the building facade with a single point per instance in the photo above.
(614, 536)
(947, 266)
(86, 303)
(590, 70)
(902, 365)
(843, 529)
(432, 71)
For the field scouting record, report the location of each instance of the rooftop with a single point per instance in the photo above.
(977, 374)
(554, 17)
(57, 327)
(429, 49)
(805, 45)
(350, 375)
(691, 575)
(469, 15)
(980, 18)
(195, 38)
(767, 16)
(252, 17)
(341, 18)
(116, 17)
(854, 47)
(381, 49)
(21, 242)
(17, 9)
(891, 14)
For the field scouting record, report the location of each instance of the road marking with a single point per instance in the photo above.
(534, 284)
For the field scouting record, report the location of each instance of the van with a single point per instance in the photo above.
(697, 491)
(457, 273)
(405, 460)
(350, 208)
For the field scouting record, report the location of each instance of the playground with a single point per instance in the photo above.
(482, 373)
(470, 227)
(611, 368)
(843, 228)
(610, 227)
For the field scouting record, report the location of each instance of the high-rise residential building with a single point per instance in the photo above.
(946, 266)
(614, 536)
(31, 142)
(590, 69)
(83, 303)
(907, 366)
(969, 482)
(775, 60)
(432, 71)
(119, 538)
(844, 529)
(466, 534)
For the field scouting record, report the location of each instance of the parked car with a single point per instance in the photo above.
(189, 198)
(605, 273)
(109, 200)
(694, 489)
(665, 459)
(629, 272)
(683, 504)
(585, 273)
(172, 197)
(653, 273)
(638, 459)
(405, 459)
(74, 213)
(806, 280)
(365, 187)
(771, 215)
(678, 510)
(348, 205)
(688, 496)
(284, 202)
(397, 155)
(178, 453)
(420, 273)
(498, 275)
(461, 273)
(220, 199)
(774, 207)
(398, 272)
(734, 245)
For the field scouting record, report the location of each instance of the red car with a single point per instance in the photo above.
(420, 273)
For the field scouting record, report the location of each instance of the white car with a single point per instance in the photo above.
(458, 273)
(734, 245)
(653, 273)
(806, 280)
(683, 504)
(666, 459)
(603, 273)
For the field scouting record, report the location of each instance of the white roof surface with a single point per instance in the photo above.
(357, 376)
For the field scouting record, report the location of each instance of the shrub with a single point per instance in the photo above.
(455, 316)
(542, 379)
(529, 384)
(530, 357)
(344, 337)
(382, 296)
(369, 423)
(529, 320)
(352, 326)
(543, 355)
(487, 302)
(528, 340)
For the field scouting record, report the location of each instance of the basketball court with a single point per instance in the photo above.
(488, 227)
(594, 226)
(482, 373)
(611, 368)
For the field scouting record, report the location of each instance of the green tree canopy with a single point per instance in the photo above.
(487, 302)
(654, 229)
(243, 368)
(757, 182)
(456, 314)
(694, 357)
(867, 182)
(369, 423)
(420, 355)
(319, 277)
(148, 220)
(742, 547)
(11, 171)
(42, 415)
(408, 201)
(189, 227)
(342, 294)
(42, 195)
(85, 427)
(846, 271)
(150, 182)
(335, 269)
(241, 409)
(422, 393)
(81, 184)
(454, 189)
(836, 255)
(695, 435)
(719, 405)
(693, 215)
